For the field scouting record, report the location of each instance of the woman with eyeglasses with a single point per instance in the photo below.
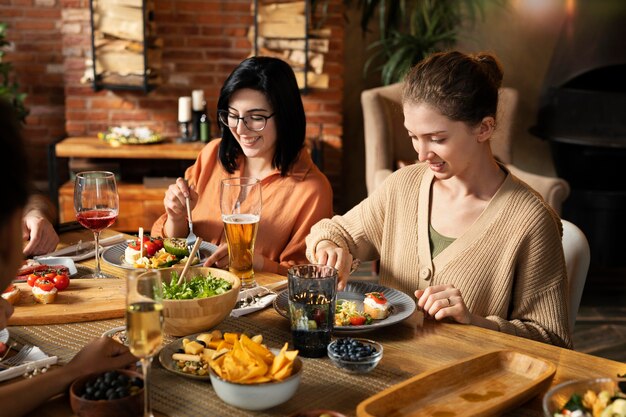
(263, 126)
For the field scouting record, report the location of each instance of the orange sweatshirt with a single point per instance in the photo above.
(291, 205)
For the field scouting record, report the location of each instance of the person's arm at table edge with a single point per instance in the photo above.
(38, 225)
(103, 354)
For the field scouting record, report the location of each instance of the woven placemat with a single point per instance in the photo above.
(323, 385)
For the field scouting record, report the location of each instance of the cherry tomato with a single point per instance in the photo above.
(158, 242)
(32, 278)
(61, 281)
(50, 274)
(357, 320)
(378, 297)
(149, 248)
(150, 245)
(44, 284)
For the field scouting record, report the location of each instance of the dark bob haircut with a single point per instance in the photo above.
(274, 78)
(13, 166)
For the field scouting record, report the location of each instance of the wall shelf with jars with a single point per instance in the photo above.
(126, 53)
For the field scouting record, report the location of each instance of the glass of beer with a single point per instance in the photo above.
(144, 322)
(240, 202)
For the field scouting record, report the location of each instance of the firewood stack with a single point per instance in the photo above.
(282, 34)
(119, 42)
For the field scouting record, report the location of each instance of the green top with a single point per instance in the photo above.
(438, 242)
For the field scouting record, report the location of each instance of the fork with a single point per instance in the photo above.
(18, 358)
(251, 300)
(191, 237)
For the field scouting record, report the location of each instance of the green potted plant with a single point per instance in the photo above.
(9, 89)
(412, 29)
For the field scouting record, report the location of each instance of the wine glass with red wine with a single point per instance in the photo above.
(97, 205)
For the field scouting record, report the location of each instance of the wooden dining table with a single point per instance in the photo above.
(408, 351)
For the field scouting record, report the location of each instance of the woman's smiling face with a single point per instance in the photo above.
(448, 146)
(261, 144)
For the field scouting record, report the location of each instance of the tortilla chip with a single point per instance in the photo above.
(257, 349)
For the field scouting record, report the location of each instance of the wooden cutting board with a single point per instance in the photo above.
(90, 299)
(83, 300)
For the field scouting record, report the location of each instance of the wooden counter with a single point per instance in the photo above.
(91, 147)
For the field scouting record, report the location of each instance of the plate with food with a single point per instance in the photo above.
(189, 356)
(42, 267)
(362, 306)
(123, 135)
(157, 253)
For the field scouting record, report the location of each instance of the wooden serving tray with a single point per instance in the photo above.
(483, 385)
(83, 300)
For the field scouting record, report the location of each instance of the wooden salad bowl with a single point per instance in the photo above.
(184, 317)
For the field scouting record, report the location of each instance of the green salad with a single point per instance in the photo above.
(200, 286)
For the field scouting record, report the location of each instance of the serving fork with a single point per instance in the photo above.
(18, 358)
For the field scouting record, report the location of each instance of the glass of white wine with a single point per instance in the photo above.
(144, 322)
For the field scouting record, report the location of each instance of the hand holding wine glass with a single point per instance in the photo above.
(144, 322)
(96, 204)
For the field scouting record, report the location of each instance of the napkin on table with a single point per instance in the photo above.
(35, 359)
(265, 300)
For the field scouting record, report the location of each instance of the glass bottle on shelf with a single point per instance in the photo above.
(205, 128)
(198, 109)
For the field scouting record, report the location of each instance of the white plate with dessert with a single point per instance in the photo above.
(397, 306)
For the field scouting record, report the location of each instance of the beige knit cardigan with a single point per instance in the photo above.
(508, 265)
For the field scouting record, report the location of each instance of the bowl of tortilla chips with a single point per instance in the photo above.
(252, 377)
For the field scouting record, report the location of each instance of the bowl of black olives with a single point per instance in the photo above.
(355, 355)
(114, 393)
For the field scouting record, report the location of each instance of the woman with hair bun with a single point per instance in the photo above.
(472, 242)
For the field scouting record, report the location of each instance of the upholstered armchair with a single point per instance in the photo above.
(387, 146)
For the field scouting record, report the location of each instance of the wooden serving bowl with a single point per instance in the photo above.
(184, 317)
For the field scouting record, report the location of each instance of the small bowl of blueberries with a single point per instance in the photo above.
(355, 355)
(115, 393)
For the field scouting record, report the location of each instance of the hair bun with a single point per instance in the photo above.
(491, 66)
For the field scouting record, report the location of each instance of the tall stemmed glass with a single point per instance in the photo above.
(96, 204)
(144, 322)
(240, 202)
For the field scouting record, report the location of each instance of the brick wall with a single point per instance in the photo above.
(203, 41)
(34, 28)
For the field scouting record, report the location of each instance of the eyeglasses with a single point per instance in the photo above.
(254, 122)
